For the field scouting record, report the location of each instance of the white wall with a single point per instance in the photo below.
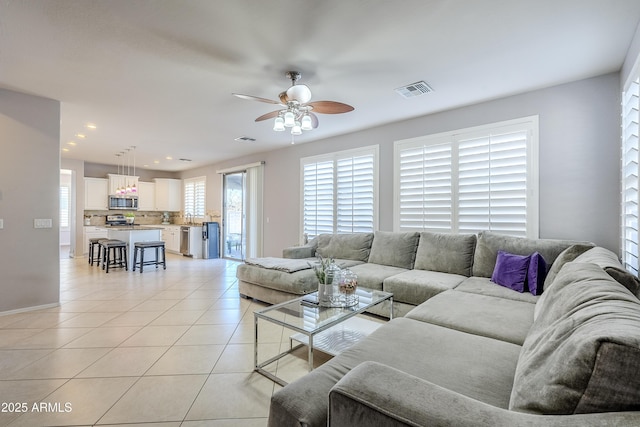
(29, 179)
(633, 55)
(579, 161)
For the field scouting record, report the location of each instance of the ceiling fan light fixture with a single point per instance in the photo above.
(300, 93)
(306, 123)
(296, 129)
(289, 119)
(278, 124)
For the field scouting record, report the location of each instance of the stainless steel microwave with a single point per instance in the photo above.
(123, 202)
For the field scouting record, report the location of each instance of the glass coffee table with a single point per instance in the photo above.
(328, 329)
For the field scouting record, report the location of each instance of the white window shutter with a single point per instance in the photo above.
(355, 194)
(466, 181)
(195, 197)
(318, 198)
(425, 188)
(492, 184)
(630, 185)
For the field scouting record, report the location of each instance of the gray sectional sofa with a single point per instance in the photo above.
(468, 352)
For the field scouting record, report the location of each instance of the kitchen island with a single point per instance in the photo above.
(132, 234)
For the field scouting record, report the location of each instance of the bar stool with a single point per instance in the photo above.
(93, 242)
(141, 246)
(118, 249)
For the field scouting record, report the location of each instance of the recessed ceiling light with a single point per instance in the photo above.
(72, 143)
(156, 161)
(146, 166)
(169, 158)
(65, 150)
(91, 126)
(81, 135)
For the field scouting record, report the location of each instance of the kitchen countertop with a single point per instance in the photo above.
(130, 227)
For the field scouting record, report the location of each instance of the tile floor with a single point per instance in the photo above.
(163, 348)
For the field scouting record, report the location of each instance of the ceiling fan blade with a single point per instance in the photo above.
(330, 107)
(314, 120)
(268, 116)
(256, 98)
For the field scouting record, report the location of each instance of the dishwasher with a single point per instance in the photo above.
(184, 241)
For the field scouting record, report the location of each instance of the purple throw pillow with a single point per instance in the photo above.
(511, 271)
(537, 273)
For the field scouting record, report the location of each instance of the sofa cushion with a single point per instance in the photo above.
(489, 243)
(511, 271)
(372, 275)
(394, 249)
(355, 246)
(582, 353)
(536, 274)
(484, 286)
(439, 355)
(609, 262)
(298, 283)
(417, 286)
(447, 253)
(568, 255)
(498, 318)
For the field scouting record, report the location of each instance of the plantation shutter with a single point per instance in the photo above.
(425, 188)
(492, 184)
(339, 192)
(195, 197)
(355, 195)
(630, 131)
(466, 181)
(318, 198)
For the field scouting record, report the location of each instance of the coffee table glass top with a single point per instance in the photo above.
(309, 318)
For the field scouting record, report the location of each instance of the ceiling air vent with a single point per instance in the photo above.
(414, 89)
(185, 160)
(245, 139)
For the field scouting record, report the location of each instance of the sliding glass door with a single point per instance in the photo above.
(234, 216)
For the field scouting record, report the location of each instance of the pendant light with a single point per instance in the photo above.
(134, 189)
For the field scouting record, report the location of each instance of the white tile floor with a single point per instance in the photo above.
(163, 348)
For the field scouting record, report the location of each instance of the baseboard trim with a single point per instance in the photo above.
(25, 309)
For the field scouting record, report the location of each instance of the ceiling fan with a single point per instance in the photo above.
(297, 113)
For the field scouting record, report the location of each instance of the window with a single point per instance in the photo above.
(195, 196)
(340, 192)
(483, 178)
(64, 206)
(630, 131)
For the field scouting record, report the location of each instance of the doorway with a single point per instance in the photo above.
(234, 217)
(66, 212)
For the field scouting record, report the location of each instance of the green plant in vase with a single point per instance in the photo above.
(129, 217)
(324, 270)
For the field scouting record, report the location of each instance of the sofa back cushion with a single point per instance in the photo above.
(609, 262)
(394, 249)
(582, 353)
(446, 253)
(568, 255)
(355, 246)
(489, 243)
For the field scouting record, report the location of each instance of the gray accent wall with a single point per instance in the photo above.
(579, 161)
(29, 181)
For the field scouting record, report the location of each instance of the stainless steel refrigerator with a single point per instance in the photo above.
(210, 240)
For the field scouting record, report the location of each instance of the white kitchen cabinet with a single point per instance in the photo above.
(168, 194)
(171, 237)
(91, 232)
(96, 192)
(146, 196)
(121, 181)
